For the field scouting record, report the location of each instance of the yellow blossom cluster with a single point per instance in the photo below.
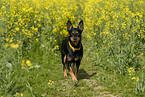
(35, 18)
(114, 17)
(50, 83)
(131, 72)
(22, 19)
(25, 62)
(18, 94)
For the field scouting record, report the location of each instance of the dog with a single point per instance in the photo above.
(72, 50)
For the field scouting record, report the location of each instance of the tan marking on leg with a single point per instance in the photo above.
(72, 75)
(65, 74)
(64, 58)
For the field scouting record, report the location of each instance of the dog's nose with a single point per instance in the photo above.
(75, 38)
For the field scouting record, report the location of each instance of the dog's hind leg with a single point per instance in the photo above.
(73, 67)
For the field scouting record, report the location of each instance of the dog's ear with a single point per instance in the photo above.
(69, 25)
(81, 25)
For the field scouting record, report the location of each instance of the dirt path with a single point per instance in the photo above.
(88, 86)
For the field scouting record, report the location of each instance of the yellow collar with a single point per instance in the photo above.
(74, 49)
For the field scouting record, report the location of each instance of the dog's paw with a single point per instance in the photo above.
(76, 83)
(65, 75)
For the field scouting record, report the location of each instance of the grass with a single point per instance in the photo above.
(113, 38)
(48, 80)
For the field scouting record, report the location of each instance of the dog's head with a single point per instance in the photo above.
(75, 33)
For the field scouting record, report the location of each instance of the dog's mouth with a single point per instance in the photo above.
(74, 41)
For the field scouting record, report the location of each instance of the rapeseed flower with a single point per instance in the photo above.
(28, 62)
(133, 78)
(57, 47)
(7, 39)
(50, 83)
(37, 39)
(15, 46)
(137, 79)
(17, 28)
(21, 94)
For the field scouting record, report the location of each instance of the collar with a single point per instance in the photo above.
(74, 49)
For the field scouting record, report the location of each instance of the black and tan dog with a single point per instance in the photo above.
(72, 50)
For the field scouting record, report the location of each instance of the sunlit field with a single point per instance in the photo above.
(31, 32)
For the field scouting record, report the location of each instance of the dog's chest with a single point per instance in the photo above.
(74, 57)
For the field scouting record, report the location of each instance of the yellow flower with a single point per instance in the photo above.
(133, 78)
(17, 93)
(55, 41)
(23, 61)
(56, 46)
(37, 39)
(133, 70)
(39, 25)
(130, 69)
(34, 21)
(7, 39)
(21, 94)
(36, 29)
(3, 7)
(11, 40)
(20, 42)
(54, 30)
(14, 45)
(64, 32)
(17, 28)
(28, 62)
(137, 79)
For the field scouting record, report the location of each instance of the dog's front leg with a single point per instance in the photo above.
(64, 69)
(64, 66)
(77, 68)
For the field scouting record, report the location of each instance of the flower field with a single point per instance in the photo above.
(31, 32)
